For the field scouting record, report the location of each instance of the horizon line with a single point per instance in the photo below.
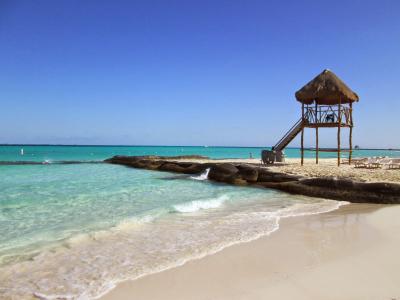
(189, 146)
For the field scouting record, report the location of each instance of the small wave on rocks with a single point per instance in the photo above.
(202, 176)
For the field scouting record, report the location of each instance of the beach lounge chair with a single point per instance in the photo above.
(353, 160)
(394, 164)
(369, 163)
(374, 163)
(360, 163)
(386, 162)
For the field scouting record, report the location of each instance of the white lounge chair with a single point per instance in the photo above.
(360, 162)
(385, 162)
(374, 163)
(394, 164)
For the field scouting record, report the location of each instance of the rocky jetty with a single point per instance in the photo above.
(245, 174)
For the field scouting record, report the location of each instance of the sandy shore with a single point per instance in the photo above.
(326, 167)
(350, 253)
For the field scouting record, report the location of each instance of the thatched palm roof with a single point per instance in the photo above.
(326, 89)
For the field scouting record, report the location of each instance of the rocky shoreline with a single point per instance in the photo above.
(246, 174)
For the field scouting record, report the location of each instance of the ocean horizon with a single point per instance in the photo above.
(51, 153)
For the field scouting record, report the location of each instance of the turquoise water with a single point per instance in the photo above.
(43, 204)
(85, 153)
(74, 231)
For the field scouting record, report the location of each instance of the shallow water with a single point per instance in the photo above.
(44, 204)
(74, 231)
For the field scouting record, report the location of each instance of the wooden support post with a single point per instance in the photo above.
(302, 134)
(351, 133)
(338, 132)
(316, 134)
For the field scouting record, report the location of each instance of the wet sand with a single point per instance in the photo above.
(350, 253)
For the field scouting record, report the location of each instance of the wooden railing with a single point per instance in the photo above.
(326, 114)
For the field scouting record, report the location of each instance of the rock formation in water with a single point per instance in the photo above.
(245, 174)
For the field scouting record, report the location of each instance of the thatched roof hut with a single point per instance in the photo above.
(326, 89)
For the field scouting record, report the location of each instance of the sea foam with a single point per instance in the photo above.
(131, 252)
(202, 176)
(104, 224)
(197, 205)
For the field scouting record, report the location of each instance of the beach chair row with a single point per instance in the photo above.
(377, 163)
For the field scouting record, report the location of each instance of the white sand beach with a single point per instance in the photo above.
(350, 253)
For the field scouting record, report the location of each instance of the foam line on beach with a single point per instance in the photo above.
(197, 205)
(274, 217)
(172, 235)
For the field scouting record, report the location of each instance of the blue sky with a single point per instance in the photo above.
(191, 72)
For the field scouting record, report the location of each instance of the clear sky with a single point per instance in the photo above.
(191, 72)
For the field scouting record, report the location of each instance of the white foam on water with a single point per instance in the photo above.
(298, 209)
(134, 222)
(123, 226)
(53, 297)
(89, 268)
(79, 238)
(197, 205)
(202, 176)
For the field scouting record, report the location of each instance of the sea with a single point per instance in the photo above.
(73, 227)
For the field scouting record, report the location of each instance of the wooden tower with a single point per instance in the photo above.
(326, 102)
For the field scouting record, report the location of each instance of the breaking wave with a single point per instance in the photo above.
(202, 176)
(197, 205)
